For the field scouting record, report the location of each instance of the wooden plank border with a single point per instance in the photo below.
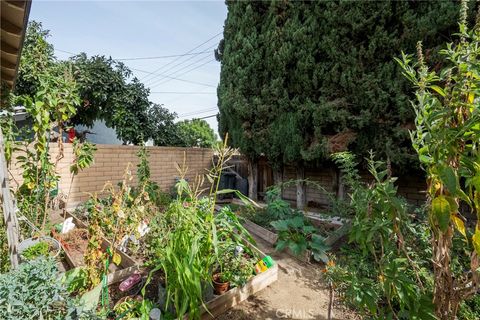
(127, 265)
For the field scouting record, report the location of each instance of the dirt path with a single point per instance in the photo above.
(299, 293)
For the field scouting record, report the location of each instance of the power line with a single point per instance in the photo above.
(175, 72)
(211, 116)
(153, 79)
(68, 52)
(164, 57)
(146, 58)
(157, 84)
(181, 92)
(192, 113)
(175, 78)
(155, 73)
(191, 50)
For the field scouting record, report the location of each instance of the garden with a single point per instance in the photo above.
(135, 251)
(131, 250)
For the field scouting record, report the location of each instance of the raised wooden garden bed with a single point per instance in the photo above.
(272, 237)
(220, 304)
(260, 232)
(127, 264)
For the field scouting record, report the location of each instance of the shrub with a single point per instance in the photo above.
(446, 140)
(34, 291)
(384, 272)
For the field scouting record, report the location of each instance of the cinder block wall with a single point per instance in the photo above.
(111, 161)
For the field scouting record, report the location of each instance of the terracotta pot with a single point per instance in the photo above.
(218, 286)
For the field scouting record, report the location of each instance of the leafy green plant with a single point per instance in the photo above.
(298, 234)
(83, 152)
(192, 238)
(276, 207)
(132, 308)
(76, 280)
(384, 273)
(39, 249)
(34, 291)
(446, 140)
(236, 268)
(155, 194)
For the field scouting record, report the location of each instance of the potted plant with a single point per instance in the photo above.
(221, 281)
(32, 248)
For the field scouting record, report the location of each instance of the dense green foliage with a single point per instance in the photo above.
(384, 271)
(295, 74)
(108, 92)
(103, 85)
(163, 128)
(191, 242)
(447, 138)
(39, 249)
(196, 133)
(35, 291)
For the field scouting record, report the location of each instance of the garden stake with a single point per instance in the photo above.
(330, 300)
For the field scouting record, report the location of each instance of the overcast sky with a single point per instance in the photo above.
(138, 29)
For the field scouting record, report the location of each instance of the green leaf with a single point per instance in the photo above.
(298, 247)
(280, 225)
(441, 211)
(438, 90)
(281, 244)
(90, 299)
(297, 222)
(450, 179)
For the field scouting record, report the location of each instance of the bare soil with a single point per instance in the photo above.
(299, 293)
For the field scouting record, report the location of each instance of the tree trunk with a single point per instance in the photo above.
(252, 179)
(300, 187)
(340, 185)
(278, 178)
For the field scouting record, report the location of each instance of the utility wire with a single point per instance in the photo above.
(175, 72)
(155, 73)
(146, 58)
(191, 50)
(211, 116)
(167, 80)
(153, 79)
(181, 92)
(192, 113)
(175, 78)
(164, 57)
(68, 52)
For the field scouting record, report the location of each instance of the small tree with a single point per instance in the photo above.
(447, 140)
(196, 133)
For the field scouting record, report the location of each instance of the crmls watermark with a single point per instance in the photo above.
(295, 314)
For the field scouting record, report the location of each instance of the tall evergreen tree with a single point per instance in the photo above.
(297, 75)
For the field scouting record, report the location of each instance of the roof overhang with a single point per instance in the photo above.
(14, 21)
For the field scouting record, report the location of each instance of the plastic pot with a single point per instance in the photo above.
(219, 287)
